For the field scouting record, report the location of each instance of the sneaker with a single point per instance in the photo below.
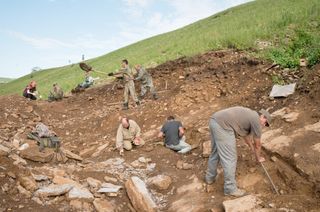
(237, 193)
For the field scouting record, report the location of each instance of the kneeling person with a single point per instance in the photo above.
(128, 133)
(56, 94)
(173, 133)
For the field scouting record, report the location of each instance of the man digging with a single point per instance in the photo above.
(224, 125)
(128, 134)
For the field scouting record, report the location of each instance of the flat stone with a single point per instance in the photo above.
(109, 188)
(40, 177)
(4, 151)
(278, 143)
(139, 195)
(274, 158)
(80, 194)
(110, 179)
(316, 147)
(24, 192)
(33, 154)
(100, 149)
(93, 183)
(102, 205)
(313, 127)
(291, 117)
(242, 204)
(53, 190)
(206, 149)
(87, 151)
(63, 180)
(72, 155)
(28, 183)
(81, 206)
(162, 182)
(24, 146)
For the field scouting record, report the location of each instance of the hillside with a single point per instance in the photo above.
(191, 89)
(5, 80)
(278, 30)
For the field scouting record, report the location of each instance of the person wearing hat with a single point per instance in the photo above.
(224, 126)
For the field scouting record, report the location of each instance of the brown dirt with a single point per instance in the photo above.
(197, 87)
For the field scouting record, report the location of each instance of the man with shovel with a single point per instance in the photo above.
(224, 126)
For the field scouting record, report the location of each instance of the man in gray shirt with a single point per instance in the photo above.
(173, 133)
(224, 126)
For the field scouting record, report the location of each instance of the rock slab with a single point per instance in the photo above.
(242, 204)
(139, 195)
(53, 190)
(102, 205)
(162, 182)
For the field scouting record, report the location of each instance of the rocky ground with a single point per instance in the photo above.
(91, 176)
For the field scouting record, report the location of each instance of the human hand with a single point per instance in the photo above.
(136, 141)
(261, 159)
(121, 152)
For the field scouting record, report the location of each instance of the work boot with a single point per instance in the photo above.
(125, 106)
(210, 181)
(237, 193)
(138, 103)
(155, 96)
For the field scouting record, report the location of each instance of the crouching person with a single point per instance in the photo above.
(174, 137)
(128, 135)
(56, 94)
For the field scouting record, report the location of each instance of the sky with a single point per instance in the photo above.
(51, 33)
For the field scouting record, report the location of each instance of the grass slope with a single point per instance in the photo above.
(5, 80)
(238, 27)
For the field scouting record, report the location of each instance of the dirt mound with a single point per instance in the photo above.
(190, 89)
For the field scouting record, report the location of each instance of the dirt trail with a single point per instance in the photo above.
(196, 87)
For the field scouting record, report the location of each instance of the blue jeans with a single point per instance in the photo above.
(224, 150)
(182, 147)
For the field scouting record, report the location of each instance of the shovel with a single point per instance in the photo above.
(85, 67)
(273, 186)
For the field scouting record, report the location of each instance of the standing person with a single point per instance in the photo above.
(224, 125)
(56, 93)
(146, 81)
(128, 134)
(173, 133)
(129, 84)
(30, 91)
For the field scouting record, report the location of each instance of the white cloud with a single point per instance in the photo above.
(87, 41)
(135, 3)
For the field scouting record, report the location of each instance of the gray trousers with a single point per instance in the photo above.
(145, 86)
(182, 147)
(224, 150)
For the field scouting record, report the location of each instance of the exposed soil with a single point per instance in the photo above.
(190, 89)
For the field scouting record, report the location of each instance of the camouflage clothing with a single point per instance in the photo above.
(146, 82)
(55, 94)
(129, 85)
(125, 136)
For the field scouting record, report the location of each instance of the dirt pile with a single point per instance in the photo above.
(190, 89)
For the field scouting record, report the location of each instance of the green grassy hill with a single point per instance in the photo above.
(5, 80)
(292, 26)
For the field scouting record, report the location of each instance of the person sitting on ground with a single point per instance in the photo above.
(30, 91)
(56, 93)
(88, 81)
(224, 126)
(146, 82)
(174, 137)
(128, 134)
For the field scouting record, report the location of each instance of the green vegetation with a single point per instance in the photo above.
(5, 80)
(292, 26)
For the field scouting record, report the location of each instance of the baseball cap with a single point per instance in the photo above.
(267, 115)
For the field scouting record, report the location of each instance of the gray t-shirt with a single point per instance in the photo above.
(171, 132)
(243, 121)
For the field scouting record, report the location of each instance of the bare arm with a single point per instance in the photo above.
(161, 134)
(255, 147)
(181, 132)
